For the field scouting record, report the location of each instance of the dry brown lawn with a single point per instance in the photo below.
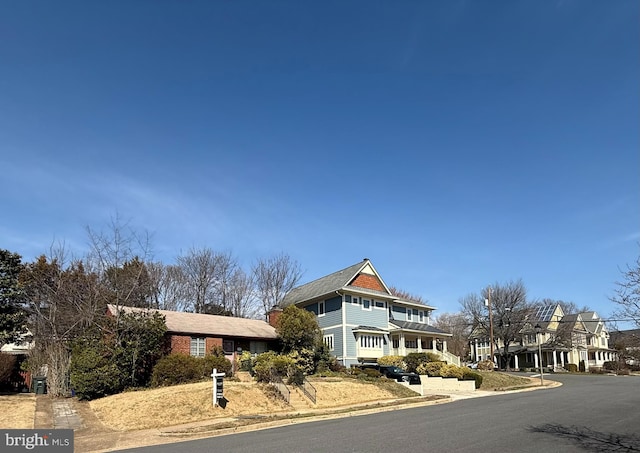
(495, 380)
(167, 406)
(17, 411)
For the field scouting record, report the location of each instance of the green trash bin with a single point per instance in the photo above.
(40, 385)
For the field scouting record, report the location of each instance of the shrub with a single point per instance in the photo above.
(486, 365)
(415, 359)
(176, 369)
(431, 368)
(370, 372)
(209, 362)
(395, 360)
(94, 376)
(246, 362)
(624, 372)
(452, 371)
(269, 363)
(469, 374)
(610, 366)
(571, 367)
(303, 360)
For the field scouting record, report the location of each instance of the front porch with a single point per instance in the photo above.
(405, 343)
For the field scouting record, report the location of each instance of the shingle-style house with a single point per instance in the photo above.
(361, 320)
(196, 334)
(574, 338)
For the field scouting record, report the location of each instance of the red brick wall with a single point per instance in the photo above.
(273, 316)
(367, 281)
(209, 343)
(182, 343)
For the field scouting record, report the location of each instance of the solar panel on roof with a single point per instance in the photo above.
(545, 313)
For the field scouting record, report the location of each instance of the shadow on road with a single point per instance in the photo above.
(592, 440)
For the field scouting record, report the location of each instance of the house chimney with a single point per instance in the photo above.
(273, 315)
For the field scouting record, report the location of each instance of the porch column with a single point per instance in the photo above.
(444, 345)
(562, 359)
(403, 349)
(515, 361)
(555, 359)
(475, 357)
(419, 344)
(535, 360)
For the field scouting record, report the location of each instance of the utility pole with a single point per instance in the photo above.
(490, 324)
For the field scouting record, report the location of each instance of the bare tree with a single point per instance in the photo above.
(64, 300)
(206, 274)
(274, 277)
(118, 255)
(627, 294)
(169, 287)
(459, 326)
(510, 314)
(241, 296)
(402, 294)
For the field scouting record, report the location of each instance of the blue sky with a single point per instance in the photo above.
(454, 143)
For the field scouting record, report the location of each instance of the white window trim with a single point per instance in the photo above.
(384, 307)
(200, 344)
(323, 310)
(329, 341)
(370, 304)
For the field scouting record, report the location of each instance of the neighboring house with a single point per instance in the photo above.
(361, 320)
(20, 380)
(573, 338)
(196, 334)
(627, 343)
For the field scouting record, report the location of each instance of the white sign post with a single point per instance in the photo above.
(217, 386)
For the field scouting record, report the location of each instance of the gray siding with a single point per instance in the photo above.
(337, 340)
(376, 317)
(332, 312)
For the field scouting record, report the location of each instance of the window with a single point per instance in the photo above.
(396, 342)
(379, 304)
(227, 346)
(355, 301)
(411, 344)
(366, 304)
(409, 318)
(328, 341)
(371, 341)
(421, 316)
(347, 298)
(197, 346)
(321, 308)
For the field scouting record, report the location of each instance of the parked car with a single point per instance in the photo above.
(394, 372)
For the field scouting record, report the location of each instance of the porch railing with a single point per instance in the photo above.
(450, 358)
(308, 390)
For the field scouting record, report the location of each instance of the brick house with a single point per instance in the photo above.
(195, 333)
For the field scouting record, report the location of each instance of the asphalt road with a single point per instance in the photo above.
(587, 413)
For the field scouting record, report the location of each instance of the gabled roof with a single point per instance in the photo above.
(592, 322)
(338, 281)
(203, 324)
